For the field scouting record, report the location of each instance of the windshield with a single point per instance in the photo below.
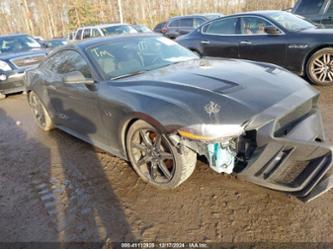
(17, 43)
(291, 22)
(137, 54)
(119, 29)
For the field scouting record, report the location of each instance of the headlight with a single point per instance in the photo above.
(4, 66)
(211, 132)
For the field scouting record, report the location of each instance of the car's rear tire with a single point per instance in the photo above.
(155, 159)
(319, 68)
(41, 115)
(2, 96)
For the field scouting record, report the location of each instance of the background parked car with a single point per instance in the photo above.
(51, 44)
(141, 28)
(318, 11)
(276, 37)
(158, 28)
(103, 30)
(18, 53)
(181, 25)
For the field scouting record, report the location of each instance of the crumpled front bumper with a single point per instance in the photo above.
(289, 154)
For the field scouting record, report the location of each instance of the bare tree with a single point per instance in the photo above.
(57, 17)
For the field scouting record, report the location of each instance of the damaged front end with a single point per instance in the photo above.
(218, 143)
(281, 148)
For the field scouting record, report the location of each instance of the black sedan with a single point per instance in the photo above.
(18, 52)
(148, 100)
(270, 36)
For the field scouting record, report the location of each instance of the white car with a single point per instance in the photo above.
(103, 30)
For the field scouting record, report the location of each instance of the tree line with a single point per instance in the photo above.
(55, 18)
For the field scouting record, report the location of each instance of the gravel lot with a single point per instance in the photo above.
(55, 187)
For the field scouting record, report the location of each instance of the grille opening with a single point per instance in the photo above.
(274, 163)
(291, 172)
(28, 61)
(246, 147)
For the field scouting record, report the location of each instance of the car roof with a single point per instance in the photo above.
(193, 15)
(102, 25)
(258, 12)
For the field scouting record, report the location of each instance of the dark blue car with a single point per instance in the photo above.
(18, 53)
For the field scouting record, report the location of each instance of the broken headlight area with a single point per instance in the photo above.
(218, 143)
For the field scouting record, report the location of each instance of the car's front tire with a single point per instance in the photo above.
(155, 159)
(40, 113)
(319, 68)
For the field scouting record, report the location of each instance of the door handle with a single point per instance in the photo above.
(205, 42)
(246, 43)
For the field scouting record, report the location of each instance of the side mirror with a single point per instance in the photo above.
(271, 30)
(77, 77)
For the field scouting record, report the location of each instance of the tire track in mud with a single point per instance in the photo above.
(70, 203)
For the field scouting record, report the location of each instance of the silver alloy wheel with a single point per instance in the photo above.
(38, 110)
(321, 68)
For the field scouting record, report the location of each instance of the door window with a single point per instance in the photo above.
(78, 34)
(309, 7)
(186, 23)
(72, 61)
(174, 24)
(86, 33)
(65, 62)
(253, 26)
(226, 26)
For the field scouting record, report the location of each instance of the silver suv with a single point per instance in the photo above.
(103, 30)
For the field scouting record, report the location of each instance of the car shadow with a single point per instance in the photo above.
(24, 183)
(92, 211)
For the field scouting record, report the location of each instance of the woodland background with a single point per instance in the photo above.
(55, 18)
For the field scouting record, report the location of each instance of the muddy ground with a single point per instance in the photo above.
(55, 187)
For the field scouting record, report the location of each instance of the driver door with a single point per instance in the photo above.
(76, 105)
(256, 44)
(220, 38)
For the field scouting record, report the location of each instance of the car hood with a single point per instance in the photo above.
(225, 90)
(26, 53)
(317, 31)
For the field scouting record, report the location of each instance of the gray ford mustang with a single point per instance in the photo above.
(148, 100)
